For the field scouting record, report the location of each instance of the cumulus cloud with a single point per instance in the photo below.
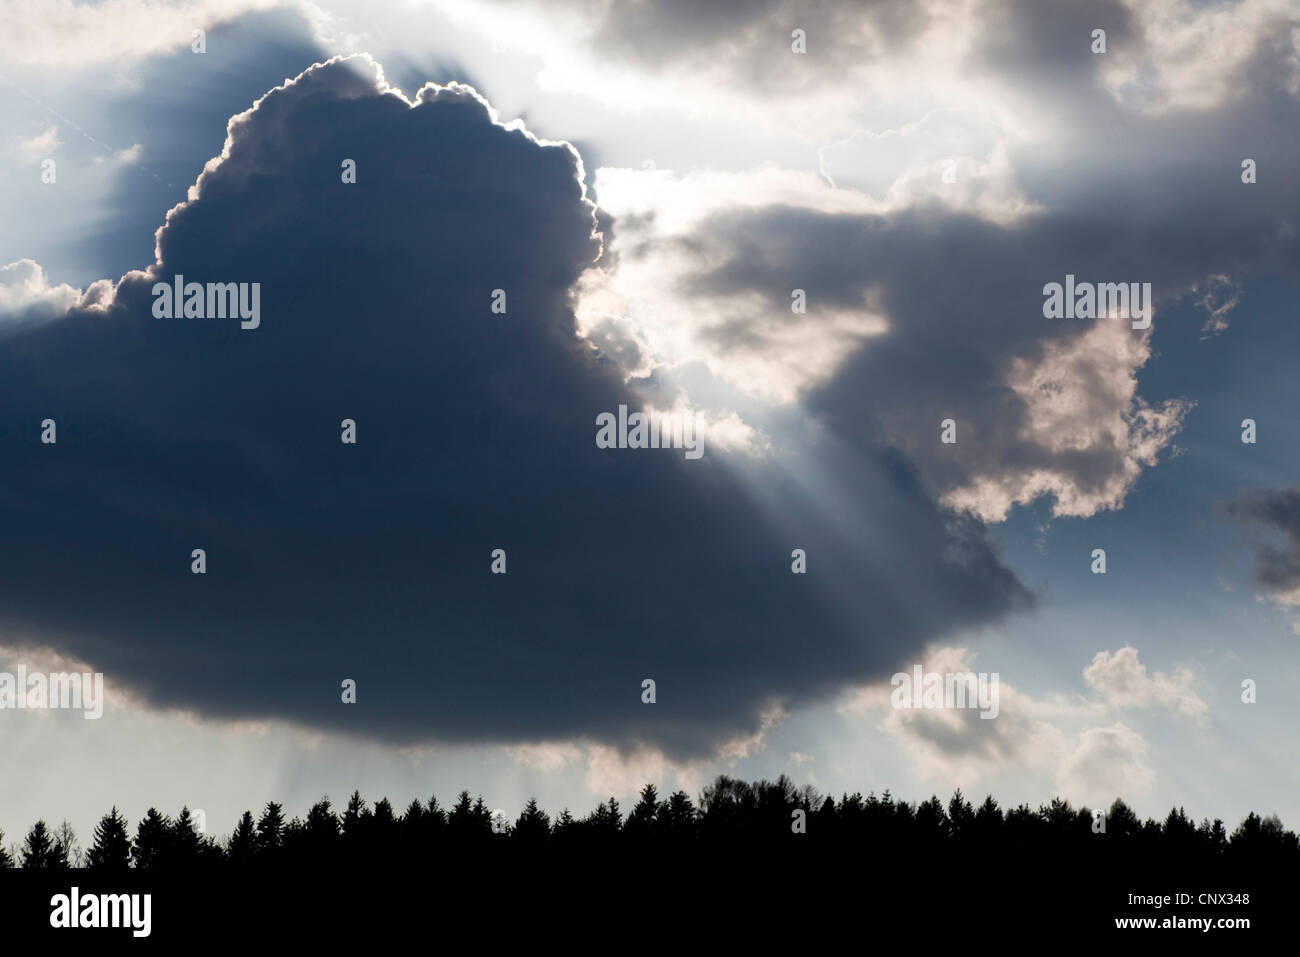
(27, 296)
(1122, 681)
(1054, 733)
(956, 744)
(1085, 434)
(475, 431)
(1107, 763)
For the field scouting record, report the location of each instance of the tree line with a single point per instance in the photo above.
(727, 811)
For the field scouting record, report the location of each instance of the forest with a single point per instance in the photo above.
(728, 813)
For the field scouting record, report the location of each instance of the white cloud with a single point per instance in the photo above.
(956, 744)
(1218, 297)
(620, 772)
(127, 157)
(645, 298)
(68, 34)
(1093, 763)
(1192, 56)
(549, 757)
(26, 294)
(1081, 398)
(1108, 763)
(41, 146)
(1122, 681)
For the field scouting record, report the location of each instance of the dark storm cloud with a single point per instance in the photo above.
(475, 431)
(1277, 570)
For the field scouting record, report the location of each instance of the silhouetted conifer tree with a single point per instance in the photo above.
(679, 817)
(110, 849)
(482, 817)
(1121, 821)
(641, 821)
(183, 847)
(961, 816)
(435, 817)
(931, 821)
(243, 841)
(533, 824)
(41, 850)
(354, 822)
(270, 830)
(730, 811)
(988, 820)
(461, 819)
(564, 825)
(150, 846)
(605, 822)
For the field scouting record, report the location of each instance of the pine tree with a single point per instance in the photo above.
(642, 819)
(680, 815)
(383, 835)
(435, 817)
(988, 820)
(564, 825)
(482, 817)
(1058, 816)
(436, 814)
(826, 817)
(322, 825)
(461, 818)
(270, 829)
(1216, 837)
(243, 842)
(41, 850)
(961, 816)
(1179, 831)
(1120, 820)
(110, 849)
(930, 818)
(413, 816)
(151, 839)
(183, 848)
(533, 824)
(6, 859)
(384, 817)
(355, 817)
(604, 822)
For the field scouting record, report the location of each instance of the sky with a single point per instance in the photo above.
(822, 233)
